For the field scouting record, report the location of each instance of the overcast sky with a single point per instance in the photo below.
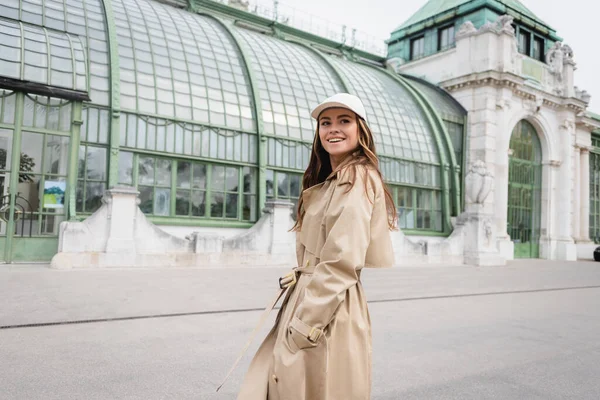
(574, 20)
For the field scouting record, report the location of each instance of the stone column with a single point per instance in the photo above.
(584, 226)
(566, 249)
(505, 245)
(576, 209)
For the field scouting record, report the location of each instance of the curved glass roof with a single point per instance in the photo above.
(394, 116)
(32, 53)
(185, 67)
(445, 105)
(82, 18)
(181, 65)
(291, 80)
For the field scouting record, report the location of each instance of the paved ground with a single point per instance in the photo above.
(530, 330)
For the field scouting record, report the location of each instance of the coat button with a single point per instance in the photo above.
(275, 379)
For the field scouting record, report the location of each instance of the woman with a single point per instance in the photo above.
(320, 346)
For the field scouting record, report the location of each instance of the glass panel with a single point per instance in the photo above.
(218, 178)
(232, 205)
(184, 174)
(126, 168)
(283, 185)
(250, 182)
(270, 184)
(199, 176)
(217, 204)
(162, 201)
(233, 179)
(182, 202)
(249, 210)
(146, 171)
(6, 136)
(146, 199)
(163, 172)
(31, 154)
(57, 155)
(286, 73)
(198, 203)
(93, 196)
(96, 163)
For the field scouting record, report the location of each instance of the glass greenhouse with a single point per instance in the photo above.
(204, 108)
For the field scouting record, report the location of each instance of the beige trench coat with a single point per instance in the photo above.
(320, 346)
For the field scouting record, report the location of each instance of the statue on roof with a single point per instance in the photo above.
(555, 59)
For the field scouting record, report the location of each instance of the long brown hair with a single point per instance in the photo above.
(319, 168)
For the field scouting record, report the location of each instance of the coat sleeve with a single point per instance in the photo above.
(347, 227)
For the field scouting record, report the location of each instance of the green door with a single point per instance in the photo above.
(524, 191)
(36, 152)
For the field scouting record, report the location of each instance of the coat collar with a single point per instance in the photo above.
(339, 172)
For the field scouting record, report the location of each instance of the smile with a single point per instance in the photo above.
(335, 140)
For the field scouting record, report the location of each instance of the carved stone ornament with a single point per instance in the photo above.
(555, 60)
(466, 29)
(567, 52)
(505, 24)
(479, 182)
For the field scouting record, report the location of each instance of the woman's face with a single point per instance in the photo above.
(338, 131)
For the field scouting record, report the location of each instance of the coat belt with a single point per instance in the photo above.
(285, 282)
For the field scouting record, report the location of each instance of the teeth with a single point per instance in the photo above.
(335, 140)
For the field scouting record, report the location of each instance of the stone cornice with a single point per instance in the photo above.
(518, 87)
(586, 123)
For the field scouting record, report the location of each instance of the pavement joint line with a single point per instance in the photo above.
(242, 310)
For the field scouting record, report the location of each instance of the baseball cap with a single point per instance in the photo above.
(342, 100)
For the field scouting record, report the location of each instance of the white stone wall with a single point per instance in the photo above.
(500, 87)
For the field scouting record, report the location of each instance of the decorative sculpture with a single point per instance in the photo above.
(555, 59)
(466, 29)
(479, 182)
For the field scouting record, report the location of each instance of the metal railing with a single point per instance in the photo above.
(293, 17)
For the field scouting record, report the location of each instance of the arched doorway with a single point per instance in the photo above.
(524, 190)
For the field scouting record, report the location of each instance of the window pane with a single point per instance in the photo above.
(232, 205)
(216, 205)
(249, 180)
(184, 174)
(233, 179)
(283, 185)
(56, 158)
(198, 203)
(218, 178)
(249, 208)
(199, 181)
(79, 196)
(31, 154)
(81, 163)
(125, 168)
(96, 163)
(146, 199)
(182, 202)
(146, 171)
(162, 201)
(269, 178)
(295, 185)
(93, 196)
(163, 172)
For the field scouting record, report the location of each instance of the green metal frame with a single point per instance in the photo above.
(14, 174)
(524, 196)
(115, 100)
(262, 141)
(454, 167)
(424, 104)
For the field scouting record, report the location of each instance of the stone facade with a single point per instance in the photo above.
(501, 87)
